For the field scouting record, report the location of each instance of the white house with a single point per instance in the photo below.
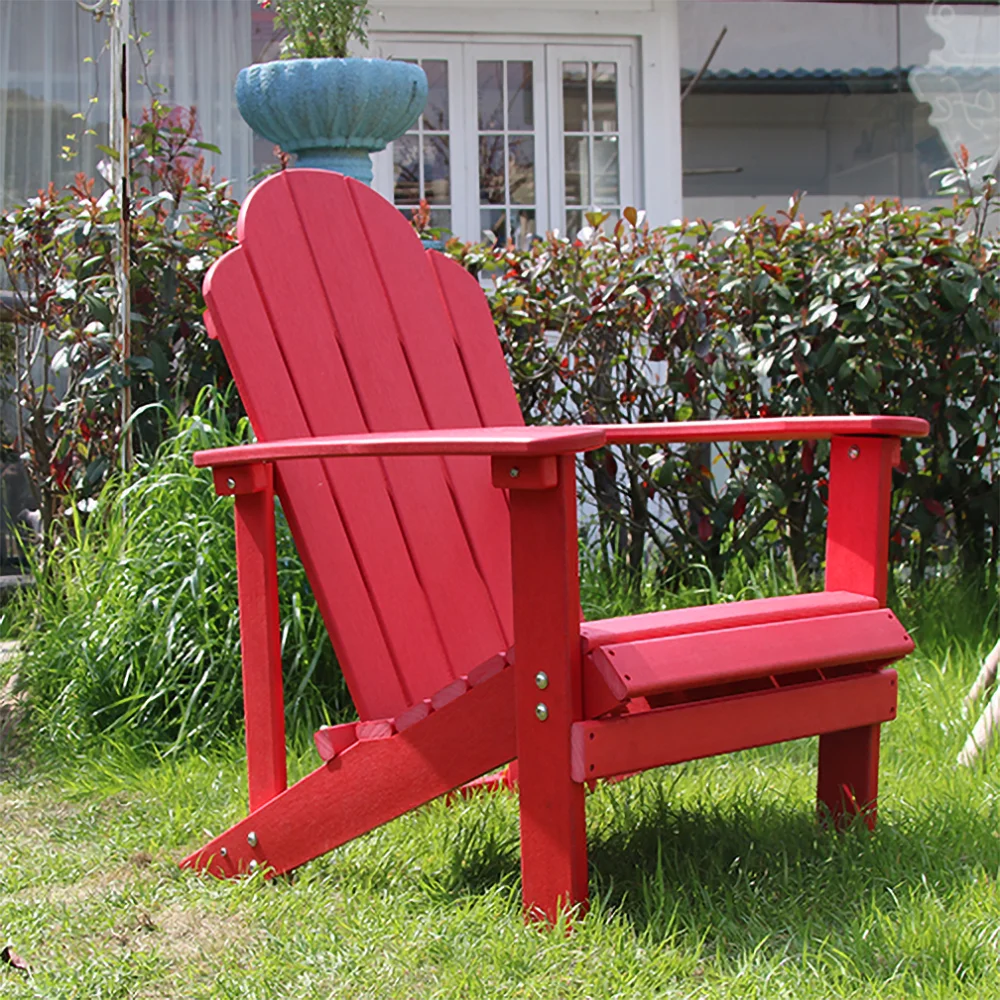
(542, 109)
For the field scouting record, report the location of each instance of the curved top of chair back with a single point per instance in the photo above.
(335, 320)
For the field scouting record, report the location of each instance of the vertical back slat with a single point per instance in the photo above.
(239, 319)
(353, 328)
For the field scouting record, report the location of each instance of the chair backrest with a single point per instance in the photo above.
(335, 320)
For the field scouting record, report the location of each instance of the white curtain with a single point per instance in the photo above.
(198, 48)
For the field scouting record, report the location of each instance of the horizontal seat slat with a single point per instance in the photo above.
(701, 659)
(714, 616)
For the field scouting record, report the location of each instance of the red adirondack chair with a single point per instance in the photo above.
(439, 534)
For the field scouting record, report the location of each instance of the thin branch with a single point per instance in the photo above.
(704, 65)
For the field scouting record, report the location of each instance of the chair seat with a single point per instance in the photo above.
(699, 649)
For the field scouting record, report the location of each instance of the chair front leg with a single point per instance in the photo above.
(260, 635)
(857, 560)
(548, 685)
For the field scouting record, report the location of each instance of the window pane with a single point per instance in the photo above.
(520, 97)
(577, 170)
(574, 87)
(574, 222)
(436, 110)
(494, 221)
(441, 218)
(406, 172)
(489, 91)
(491, 172)
(606, 171)
(522, 169)
(523, 220)
(437, 186)
(605, 97)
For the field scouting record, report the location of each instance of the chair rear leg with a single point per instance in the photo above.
(848, 775)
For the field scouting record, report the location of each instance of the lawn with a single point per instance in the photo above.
(709, 879)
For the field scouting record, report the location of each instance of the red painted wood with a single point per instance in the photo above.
(332, 740)
(487, 669)
(449, 693)
(857, 538)
(607, 747)
(375, 729)
(510, 473)
(857, 551)
(676, 662)
(445, 604)
(683, 621)
(414, 714)
(243, 325)
(765, 429)
(515, 441)
(847, 782)
(260, 644)
(371, 783)
(439, 375)
(546, 630)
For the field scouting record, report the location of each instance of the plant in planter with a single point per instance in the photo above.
(330, 110)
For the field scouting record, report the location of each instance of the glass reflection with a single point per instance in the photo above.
(437, 183)
(605, 97)
(521, 160)
(489, 95)
(436, 109)
(574, 94)
(576, 169)
(406, 169)
(491, 170)
(520, 97)
(606, 170)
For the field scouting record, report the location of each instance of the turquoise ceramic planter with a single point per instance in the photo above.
(332, 113)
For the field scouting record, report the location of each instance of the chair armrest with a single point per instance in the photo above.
(517, 442)
(764, 429)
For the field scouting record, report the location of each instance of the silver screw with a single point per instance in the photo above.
(541, 680)
(231, 483)
(223, 851)
(515, 472)
(253, 866)
(541, 711)
(853, 451)
(252, 839)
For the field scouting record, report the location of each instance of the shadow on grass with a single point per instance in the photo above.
(919, 897)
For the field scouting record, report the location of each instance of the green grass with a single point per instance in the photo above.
(708, 880)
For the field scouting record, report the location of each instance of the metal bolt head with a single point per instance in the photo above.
(223, 852)
(515, 472)
(252, 866)
(231, 483)
(853, 451)
(541, 680)
(252, 839)
(541, 711)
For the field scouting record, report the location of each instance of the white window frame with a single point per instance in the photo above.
(547, 53)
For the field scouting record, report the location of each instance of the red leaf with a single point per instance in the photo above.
(808, 450)
(739, 506)
(935, 507)
(704, 528)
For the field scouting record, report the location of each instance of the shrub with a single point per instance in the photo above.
(879, 308)
(60, 254)
(134, 633)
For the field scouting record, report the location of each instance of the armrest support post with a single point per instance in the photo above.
(260, 635)
(857, 540)
(548, 694)
(857, 557)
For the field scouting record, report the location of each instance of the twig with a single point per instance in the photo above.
(705, 64)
